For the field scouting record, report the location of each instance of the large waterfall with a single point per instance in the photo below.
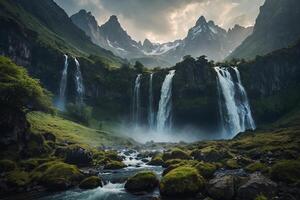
(63, 86)
(233, 103)
(79, 84)
(151, 113)
(136, 105)
(164, 115)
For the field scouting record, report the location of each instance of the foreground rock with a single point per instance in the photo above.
(90, 183)
(182, 181)
(257, 185)
(141, 182)
(57, 175)
(222, 187)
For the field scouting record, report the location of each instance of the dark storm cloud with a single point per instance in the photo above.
(165, 20)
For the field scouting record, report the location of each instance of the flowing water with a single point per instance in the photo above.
(234, 106)
(114, 181)
(151, 113)
(63, 86)
(136, 105)
(164, 115)
(79, 84)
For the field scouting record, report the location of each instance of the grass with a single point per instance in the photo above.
(66, 130)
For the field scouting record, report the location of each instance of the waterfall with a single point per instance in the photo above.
(136, 105)
(63, 86)
(164, 115)
(79, 84)
(234, 106)
(151, 114)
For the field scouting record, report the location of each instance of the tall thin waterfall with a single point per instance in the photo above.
(79, 83)
(151, 114)
(136, 105)
(63, 86)
(233, 103)
(164, 115)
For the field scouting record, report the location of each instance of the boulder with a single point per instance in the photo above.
(142, 181)
(255, 186)
(176, 154)
(78, 156)
(206, 169)
(156, 160)
(182, 181)
(286, 171)
(210, 154)
(222, 187)
(90, 183)
(112, 164)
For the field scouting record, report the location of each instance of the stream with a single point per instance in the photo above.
(114, 181)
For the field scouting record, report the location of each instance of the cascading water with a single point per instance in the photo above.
(79, 83)
(136, 105)
(63, 86)
(234, 106)
(164, 115)
(151, 114)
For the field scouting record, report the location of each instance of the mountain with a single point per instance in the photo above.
(205, 38)
(87, 22)
(276, 27)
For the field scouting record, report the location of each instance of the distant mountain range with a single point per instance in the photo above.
(277, 26)
(205, 38)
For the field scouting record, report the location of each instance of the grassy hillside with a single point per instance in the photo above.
(66, 130)
(49, 25)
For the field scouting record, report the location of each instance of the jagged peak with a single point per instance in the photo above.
(201, 21)
(147, 41)
(113, 18)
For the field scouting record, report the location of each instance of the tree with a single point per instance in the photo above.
(139, 66)
(20, 92)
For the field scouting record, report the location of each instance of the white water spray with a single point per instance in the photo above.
(63, 86)
(79, 83)
(164, 115)
(151, 113)
(234, 106)
(136, 105)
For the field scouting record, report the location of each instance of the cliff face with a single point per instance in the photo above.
(273, 83)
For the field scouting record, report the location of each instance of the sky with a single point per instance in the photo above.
(166, 20)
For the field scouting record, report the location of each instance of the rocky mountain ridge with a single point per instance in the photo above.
(205, 38)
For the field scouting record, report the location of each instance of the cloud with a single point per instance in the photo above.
(167, 20)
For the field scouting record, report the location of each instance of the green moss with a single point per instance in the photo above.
(112, 164)
(261, 197)
(18, 178)
(172, 183)
(51, 171)
(257, 166)
(90, 183)
(286, 171)
(232, 164)
(142, 181)
(7, 165)
(176, 153)
(156, 160)
(206, 169)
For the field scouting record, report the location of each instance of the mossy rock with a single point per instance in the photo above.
(18, 178)
(182, 181)
(211, 154)
(257, 166)
(206, 169)
(232, 164)
(286, 171)
(114, 165)
(90, 183)
(7, 165)
(113, 155)
(156, 160)
(176, 153)
(54, 172)
(261, 197)
(142, 181)
(173, 162)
